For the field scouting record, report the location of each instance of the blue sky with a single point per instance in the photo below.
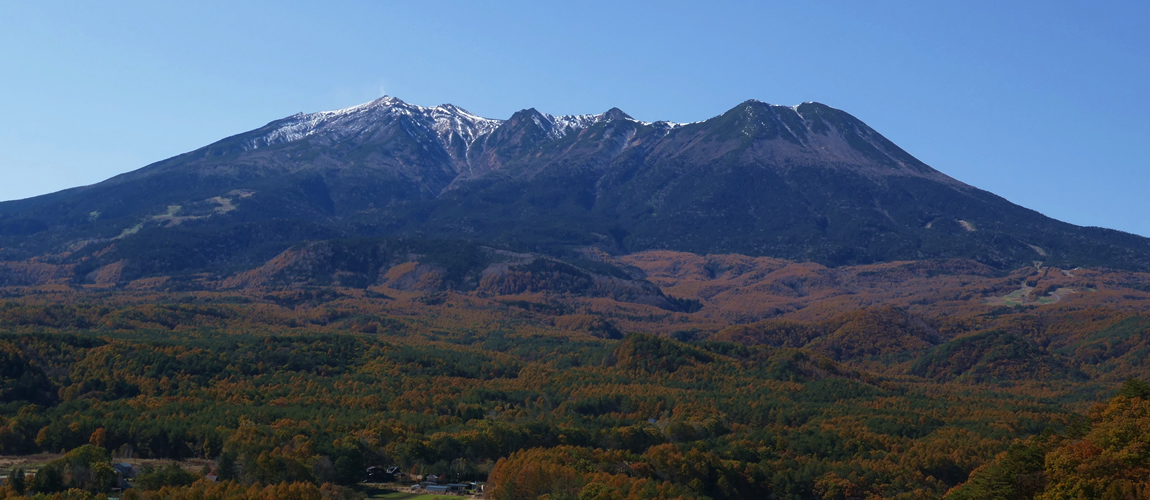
(1043, 103)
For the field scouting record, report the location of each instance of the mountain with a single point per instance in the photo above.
(808, 183)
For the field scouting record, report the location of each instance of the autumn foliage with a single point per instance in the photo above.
(295, 392)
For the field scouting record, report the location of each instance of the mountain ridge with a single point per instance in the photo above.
(806, 182)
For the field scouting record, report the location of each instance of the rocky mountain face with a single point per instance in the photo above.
(807, 183)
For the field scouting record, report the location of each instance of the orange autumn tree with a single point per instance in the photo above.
(1112, 461)
(1109, 462)
(662, 472)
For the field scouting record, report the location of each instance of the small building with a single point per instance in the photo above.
(375, 473)
(435, 488)
(125, 469)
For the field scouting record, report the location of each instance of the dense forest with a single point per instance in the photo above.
(296, 393)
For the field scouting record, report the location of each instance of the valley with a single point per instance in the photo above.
(777, 302)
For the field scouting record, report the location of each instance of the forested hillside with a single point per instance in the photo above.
(294, 392)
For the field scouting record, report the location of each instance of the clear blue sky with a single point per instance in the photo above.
(1044, 103)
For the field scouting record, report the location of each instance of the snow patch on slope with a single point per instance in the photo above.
(559, 126)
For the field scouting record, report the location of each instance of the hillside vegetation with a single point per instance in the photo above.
(293, 391)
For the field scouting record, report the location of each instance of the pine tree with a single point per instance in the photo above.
(16, 480)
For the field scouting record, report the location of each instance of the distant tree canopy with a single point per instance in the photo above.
(540, 399)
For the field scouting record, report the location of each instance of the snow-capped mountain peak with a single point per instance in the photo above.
(452, 125)
(449, 123)
(560, 125)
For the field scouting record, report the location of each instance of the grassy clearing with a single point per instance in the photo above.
(1023, 296)
(400, 495)
(30, 463)
(376, 491)
(1016, 298)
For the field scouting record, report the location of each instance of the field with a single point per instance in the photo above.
(399, 495)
